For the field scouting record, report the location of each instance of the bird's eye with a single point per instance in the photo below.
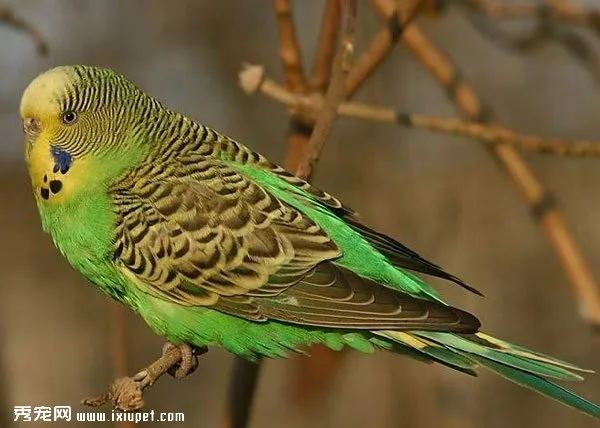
(69, 117)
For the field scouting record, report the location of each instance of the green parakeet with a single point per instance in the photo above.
(212, 244)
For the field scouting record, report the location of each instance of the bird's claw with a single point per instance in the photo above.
(189, 359)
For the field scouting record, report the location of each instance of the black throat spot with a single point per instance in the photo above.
(55, 186)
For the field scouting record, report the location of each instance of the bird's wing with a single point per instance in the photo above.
(198, 232)
(397, 253)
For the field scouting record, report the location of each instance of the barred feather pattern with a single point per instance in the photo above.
(194, 229)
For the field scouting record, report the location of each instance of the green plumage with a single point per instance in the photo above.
(212, 244)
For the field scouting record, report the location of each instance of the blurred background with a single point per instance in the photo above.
(443, 196)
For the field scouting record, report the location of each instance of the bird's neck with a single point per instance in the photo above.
(80, 216)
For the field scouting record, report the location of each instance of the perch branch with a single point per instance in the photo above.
(541, 201)
(252, 81)
(8, 17)
(126, 393)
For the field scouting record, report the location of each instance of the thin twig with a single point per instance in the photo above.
(289, 50)
(545, 31)
(542, 202)
(8, 17)
(311, 106)
(314, 374)
(381, 45)
(486, 133)
(301, 129)
(335, 92)
(568, 13)
(321, 71)
(298, 132)
(571, 13)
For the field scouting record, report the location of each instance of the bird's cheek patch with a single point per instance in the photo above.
(61, 181)
(62, 160)
(48, 167)
(52, 172)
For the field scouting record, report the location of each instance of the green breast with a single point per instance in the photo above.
(83, 230)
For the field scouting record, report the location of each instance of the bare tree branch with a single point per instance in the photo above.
(8, 17)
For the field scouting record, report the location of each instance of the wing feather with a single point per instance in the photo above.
(214, 237)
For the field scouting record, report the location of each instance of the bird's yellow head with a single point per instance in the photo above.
(71, 116)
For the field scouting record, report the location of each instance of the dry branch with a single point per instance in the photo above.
(252, 80)
(545, 31)
(321, 71)
(335, 93)
(541, 201)
(8, 17)
(563, 12)
(290, 54)
(381, 45)
(289, 50)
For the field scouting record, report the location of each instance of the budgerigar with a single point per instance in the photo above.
(212, 244)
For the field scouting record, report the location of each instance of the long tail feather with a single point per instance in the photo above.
(543, 386)
(460, 344)
(527, 353)
(522, 366)
(432, 351)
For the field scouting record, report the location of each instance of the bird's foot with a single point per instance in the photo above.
(189, 359)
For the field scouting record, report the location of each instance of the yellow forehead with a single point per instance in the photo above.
(44, 94)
